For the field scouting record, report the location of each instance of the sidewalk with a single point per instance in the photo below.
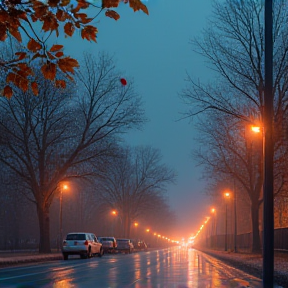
(16, 258)
(252, 263)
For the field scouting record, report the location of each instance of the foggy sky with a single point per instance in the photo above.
(155, 52)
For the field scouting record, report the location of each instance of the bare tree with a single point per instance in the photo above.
(233, 156)
(159, 216)
(234, 46)
(133, 181)
(60, 134)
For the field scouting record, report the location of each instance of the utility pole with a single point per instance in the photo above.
(268, 199)
(226, 227)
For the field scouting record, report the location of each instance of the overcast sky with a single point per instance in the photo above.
(154, 50)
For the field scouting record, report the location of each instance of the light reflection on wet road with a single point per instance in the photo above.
(168, 268)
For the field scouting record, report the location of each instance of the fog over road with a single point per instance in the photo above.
(174, 267)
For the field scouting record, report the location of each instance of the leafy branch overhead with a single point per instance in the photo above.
(18, 18)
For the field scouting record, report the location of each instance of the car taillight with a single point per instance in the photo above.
(86, 242)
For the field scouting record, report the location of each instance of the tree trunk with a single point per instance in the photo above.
(44, 225)
(127, 227)
(256, 245)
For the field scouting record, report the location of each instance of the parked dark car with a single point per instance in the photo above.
(109, 244)
(125, 245)
(139, 245)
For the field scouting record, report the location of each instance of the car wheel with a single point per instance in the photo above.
(89, 254)
(84, 256)
(65, 256)
(101, 253)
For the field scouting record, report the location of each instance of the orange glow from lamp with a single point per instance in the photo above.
(256, 129)
(227, 194)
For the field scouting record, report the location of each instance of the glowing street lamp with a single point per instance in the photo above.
(227, 195)
(256, 129)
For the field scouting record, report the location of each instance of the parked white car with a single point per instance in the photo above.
(81, 243)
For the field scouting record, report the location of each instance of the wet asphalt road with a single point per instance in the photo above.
(168, 268)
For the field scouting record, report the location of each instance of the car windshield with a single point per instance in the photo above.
(106, 239)
(76, 237)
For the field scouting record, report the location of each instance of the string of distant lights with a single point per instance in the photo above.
(148, 230)
(203, 225)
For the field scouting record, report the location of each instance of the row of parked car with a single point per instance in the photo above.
(87, 245)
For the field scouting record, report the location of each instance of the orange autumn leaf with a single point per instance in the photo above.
(24, 69)
(110, 3)
(15, 32)
(80, 15)
(82, 4)
(21, 55)
(3, 33)
(112, 14)
(23, 16)
(59, 54)
(34, 87)
(10, 77)
(138, 5)
(49, 70)
(50, 14)
(23, 84)
(61, 15)
(56, 48)
(60, 84)
(69, 28)
(40, 9)
(33, 45)
(89, 32)
(65, 2)
(7, 92)
(4, 16)
(83, 18)
(50, 22)
(53, 3)
(67, 64)
(86, 20)
(50, 55)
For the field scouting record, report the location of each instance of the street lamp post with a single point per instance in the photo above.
(214, 229)
(64, 187)
(268, 197)
(136, 225)
(116, 214)
(227, 195)
(235, 222)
